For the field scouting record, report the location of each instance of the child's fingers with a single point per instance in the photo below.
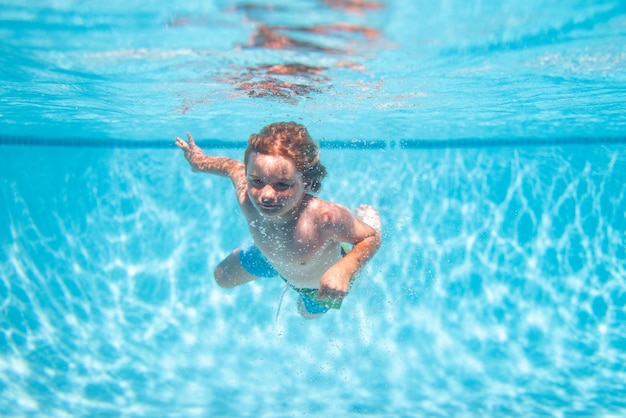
(191, 141)
(328, 293)
(181, 144)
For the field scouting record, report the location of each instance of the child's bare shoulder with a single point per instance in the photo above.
(328, 213)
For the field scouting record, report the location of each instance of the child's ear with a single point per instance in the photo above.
(307, 187)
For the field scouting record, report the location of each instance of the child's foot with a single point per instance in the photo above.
(370, 216)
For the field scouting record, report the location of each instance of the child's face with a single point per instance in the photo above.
(274, 184)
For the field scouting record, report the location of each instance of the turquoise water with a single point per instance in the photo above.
(490, 137)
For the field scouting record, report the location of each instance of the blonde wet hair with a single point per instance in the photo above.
(292, 140)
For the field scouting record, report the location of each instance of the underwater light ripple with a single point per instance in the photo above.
(134, 319)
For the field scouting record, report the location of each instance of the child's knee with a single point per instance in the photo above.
(230, 274)
(221, 277)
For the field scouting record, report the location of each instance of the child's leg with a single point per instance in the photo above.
(230, 272)
(243, 265)
(302, 310)
(309, 307)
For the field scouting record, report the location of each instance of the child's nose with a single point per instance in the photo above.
(268, 194)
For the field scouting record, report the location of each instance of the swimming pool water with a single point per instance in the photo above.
(489, 137)
(426, 70)
(499, 291)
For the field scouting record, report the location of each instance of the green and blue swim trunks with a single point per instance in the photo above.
(255, 263)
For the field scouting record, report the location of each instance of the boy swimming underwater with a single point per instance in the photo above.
(296, 235)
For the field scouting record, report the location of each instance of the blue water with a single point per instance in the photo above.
(490, 137)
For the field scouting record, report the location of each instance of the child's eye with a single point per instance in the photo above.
(255, 182)
(282, 186)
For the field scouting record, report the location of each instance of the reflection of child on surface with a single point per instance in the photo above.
(296, 235)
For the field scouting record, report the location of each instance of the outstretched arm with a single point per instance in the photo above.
(222, 166)
(199, 161)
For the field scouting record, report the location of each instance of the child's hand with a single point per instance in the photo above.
(190, 150)
(333, 287)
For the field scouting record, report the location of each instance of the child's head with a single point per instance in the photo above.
(291, 140)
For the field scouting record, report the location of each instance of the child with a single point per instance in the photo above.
(296, 235)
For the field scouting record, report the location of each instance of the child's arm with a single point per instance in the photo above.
(366, 240)
(222, 166)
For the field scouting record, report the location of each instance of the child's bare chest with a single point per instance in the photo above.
(299, 250)
(299, 263)
(287, 245)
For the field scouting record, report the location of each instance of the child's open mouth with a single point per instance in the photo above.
(270, 207)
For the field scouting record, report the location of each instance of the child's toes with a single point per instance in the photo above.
(369, 215)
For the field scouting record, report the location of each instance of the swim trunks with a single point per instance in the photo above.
(255, 263)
